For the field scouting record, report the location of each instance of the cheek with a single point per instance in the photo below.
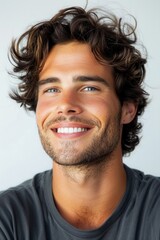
(102, 109)
(43, 110)
(98, 108)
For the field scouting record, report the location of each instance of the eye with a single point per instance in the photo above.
(90, 89)
(51, 90)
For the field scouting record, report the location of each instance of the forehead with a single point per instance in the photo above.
(72, 51)
(74, 58)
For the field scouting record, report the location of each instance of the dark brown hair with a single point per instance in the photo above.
(111, 41)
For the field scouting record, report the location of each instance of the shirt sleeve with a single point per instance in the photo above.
(3, 235)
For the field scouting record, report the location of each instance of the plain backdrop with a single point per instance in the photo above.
(21, 154)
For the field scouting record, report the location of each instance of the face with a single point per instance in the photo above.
(78, 113)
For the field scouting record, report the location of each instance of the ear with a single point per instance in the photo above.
(129, 110)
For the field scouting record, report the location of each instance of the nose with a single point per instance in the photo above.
(69, 104)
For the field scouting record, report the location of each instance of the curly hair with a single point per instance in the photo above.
(112, 42)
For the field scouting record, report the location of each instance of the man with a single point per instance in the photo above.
(82, 75)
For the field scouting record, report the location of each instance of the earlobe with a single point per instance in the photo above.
(129, 110)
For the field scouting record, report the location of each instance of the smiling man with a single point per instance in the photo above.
(82, 75)
(78, 112)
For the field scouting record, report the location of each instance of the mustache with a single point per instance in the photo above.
(59, 119)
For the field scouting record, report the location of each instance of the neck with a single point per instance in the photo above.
(86, 197)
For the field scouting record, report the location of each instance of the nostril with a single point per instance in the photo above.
(67, 111)
(71, 110)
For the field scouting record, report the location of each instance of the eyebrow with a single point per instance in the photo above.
(92, 79)
(81, 78)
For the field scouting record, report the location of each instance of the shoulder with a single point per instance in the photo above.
(141, 212)
(145, 201)
(145, 182)
(21, 206)
(22, 196)
(146, 192)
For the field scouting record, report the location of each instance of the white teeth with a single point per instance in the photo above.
(71, 130)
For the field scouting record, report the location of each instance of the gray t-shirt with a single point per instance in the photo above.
(28, 212)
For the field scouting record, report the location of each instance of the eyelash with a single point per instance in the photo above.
(51, 90)
(90, 88)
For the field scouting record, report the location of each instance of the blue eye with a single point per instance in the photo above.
(52, 90)
(90, 89)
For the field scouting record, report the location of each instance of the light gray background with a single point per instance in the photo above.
(21, 154)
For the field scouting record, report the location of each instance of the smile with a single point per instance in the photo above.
(71, 130)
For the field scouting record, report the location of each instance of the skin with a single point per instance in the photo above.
(77, 92)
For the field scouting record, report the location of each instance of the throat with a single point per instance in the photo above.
(87, 200)
(86, 219)
(84, 174)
